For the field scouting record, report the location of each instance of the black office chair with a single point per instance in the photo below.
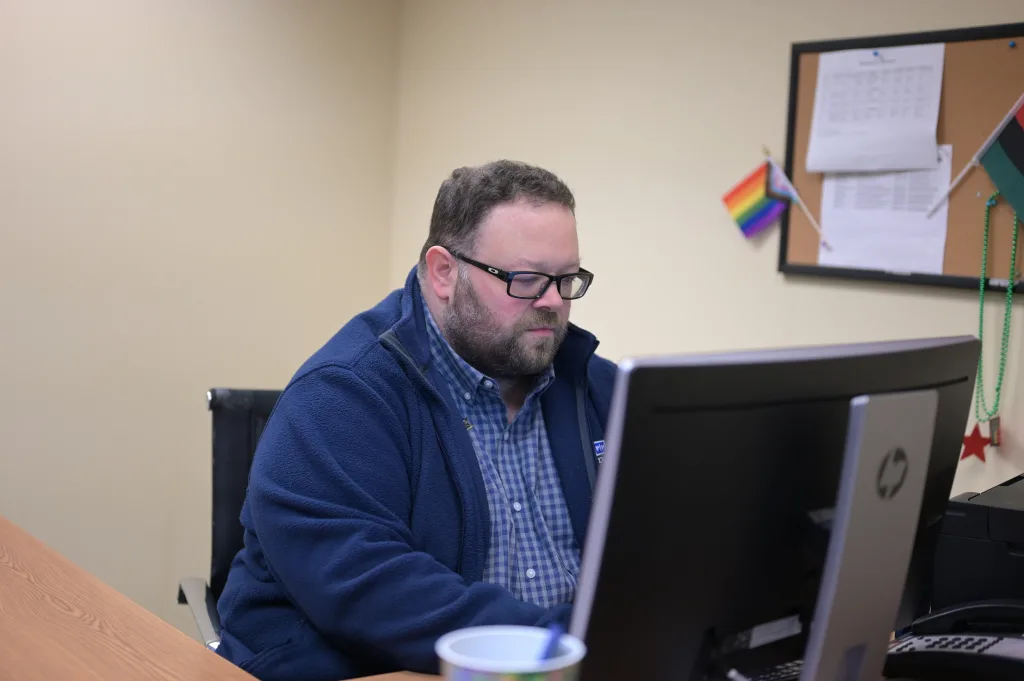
(238, 417)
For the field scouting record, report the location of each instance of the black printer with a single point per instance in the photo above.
(980, 550)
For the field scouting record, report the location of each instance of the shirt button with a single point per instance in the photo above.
(505, 436)
(467, 395)
(531, 573)
(488, 384)
(517, 506)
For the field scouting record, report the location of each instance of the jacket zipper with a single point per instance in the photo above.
(588, 452)
(589, 456)
(392, 341)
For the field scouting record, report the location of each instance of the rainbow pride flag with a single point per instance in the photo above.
(759, 199)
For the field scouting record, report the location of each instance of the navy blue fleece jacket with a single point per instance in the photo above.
(366, 521)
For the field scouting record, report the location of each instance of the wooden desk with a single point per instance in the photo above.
(59, 622)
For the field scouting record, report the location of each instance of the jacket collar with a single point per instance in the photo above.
(411, 332)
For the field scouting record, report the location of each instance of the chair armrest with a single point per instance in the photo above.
(195, 593)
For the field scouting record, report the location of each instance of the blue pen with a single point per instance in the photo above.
(555, 632)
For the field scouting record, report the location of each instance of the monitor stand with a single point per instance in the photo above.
(885, 465)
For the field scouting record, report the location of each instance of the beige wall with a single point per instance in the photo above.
(192, 194)
(651, 110)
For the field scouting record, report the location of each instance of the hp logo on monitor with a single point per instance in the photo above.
(892, 473)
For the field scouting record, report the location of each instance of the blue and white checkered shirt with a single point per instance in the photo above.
(533, 551)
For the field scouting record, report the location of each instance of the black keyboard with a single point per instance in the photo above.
(946, 657)
(968, 643)
(787, 671)
(957, 657)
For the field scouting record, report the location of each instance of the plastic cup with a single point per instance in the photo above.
(507, 653)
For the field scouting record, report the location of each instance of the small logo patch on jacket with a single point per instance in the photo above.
(599, 450)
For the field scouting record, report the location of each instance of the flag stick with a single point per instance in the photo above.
(973, 163)
(976, 159)
(810, 218)
(800, 202)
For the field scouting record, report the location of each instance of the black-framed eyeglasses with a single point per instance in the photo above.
(532, 285)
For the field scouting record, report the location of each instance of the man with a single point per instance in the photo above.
(431, 467)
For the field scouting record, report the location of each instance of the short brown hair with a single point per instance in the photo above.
(467, 196)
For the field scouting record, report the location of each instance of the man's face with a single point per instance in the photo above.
(502, 336)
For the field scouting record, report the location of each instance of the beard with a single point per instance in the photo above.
(477, 337)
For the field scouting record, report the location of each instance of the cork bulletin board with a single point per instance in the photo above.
(983, 76)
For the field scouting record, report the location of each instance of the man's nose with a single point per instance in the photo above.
(551, 299)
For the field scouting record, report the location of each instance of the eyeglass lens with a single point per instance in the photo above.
(530, 285)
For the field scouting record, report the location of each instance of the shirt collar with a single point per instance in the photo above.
(467, 378)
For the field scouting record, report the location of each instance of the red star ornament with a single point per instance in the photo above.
(974, 444)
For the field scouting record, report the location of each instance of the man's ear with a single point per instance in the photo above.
(442, 271)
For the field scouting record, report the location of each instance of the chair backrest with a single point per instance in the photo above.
(239, 417)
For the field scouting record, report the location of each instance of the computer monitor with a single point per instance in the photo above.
(710, 526)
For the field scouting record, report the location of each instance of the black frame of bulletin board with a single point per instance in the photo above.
(977, 33)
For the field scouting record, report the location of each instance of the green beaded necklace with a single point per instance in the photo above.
(980, 404)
